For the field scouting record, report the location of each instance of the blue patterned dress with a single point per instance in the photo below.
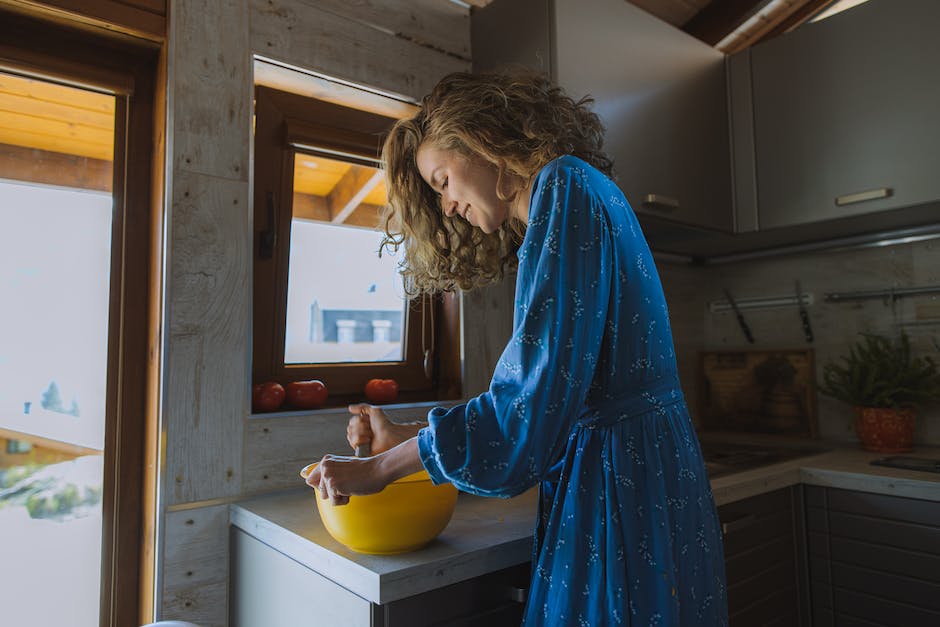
(585, 402)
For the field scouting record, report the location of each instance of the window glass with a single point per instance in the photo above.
(326, 305)
(56, 147)
(345, 303)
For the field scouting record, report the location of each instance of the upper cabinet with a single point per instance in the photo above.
(839, 118)
(660, 93)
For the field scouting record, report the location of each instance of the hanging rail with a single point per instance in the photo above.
(768, 302)
(889, 294)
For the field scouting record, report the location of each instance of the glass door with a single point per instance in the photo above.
(56, 212)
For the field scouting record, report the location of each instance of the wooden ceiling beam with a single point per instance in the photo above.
(805, 12)
(719, 18)
(350, 191)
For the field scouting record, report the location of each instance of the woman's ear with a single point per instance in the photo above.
(507, 184)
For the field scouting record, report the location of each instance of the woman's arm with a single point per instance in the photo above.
(339, 477)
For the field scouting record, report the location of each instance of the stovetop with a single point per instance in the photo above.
(906, 462)
(724, 458)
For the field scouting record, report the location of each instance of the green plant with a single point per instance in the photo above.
(880, 372)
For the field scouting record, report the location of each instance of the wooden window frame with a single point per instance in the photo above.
(127, 68)
(284, 121)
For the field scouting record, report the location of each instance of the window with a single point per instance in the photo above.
(326, 305)
(76, 142)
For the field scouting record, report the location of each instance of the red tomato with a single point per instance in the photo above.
(267, 396)
(381, 390)
(306, 394)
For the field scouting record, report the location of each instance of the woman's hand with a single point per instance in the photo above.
(370, 425)
(338, 477)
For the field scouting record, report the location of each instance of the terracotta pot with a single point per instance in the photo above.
(885, 430)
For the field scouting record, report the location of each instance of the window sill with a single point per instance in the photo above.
(396, 410)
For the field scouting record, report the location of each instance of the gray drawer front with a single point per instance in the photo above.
(873, 559)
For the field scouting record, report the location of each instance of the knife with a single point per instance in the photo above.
(804, 315)
(737, 312)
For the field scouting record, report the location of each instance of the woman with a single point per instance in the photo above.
(585, 400)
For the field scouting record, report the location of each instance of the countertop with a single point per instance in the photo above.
(484, 535)
(489, 534)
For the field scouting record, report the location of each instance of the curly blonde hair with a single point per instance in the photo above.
(518, 122)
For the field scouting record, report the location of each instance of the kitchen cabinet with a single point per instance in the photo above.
(271, 589)
(764, 559)
(660, 93)
(874, 559)
(838, 118)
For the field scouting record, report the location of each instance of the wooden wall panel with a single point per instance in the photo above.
(487, 326)
(196, 565)
(277, 448)
(434, 24)
(211, 88)
(213, 451)
(55, 168)
(303, 35)
(208, 330)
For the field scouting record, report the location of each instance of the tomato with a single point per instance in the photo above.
(306, 394)
(381, 390)
(267, 396)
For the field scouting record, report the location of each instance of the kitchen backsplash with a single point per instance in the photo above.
(689, 290)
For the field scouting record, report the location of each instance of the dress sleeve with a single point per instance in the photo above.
(504, 441)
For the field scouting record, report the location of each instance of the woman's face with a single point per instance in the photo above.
(466, 186)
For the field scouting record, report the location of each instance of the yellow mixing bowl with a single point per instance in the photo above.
(403, 517)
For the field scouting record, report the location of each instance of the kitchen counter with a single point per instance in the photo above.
(486, 535)
(842, 466)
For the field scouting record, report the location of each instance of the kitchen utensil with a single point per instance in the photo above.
(364, 449)
(403, 517)
(741, 321)
(804, 315)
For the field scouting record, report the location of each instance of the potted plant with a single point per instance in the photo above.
(885, 384)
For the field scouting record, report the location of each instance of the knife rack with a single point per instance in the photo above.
(890, 294)
(766, 302)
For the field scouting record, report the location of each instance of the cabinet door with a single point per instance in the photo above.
(763, 560)
(846, 114)
(873, 558)
(495, 599)
(270, 589)
(661, 95)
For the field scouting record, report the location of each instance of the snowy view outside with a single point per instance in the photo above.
(344, 302)
(54, 284)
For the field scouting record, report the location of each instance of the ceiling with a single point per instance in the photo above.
(729, 25)
(46, 116)
(713, 21)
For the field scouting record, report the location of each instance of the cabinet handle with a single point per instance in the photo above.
(660, 201)
(517, 594)
(738, 524)
(871, 194)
